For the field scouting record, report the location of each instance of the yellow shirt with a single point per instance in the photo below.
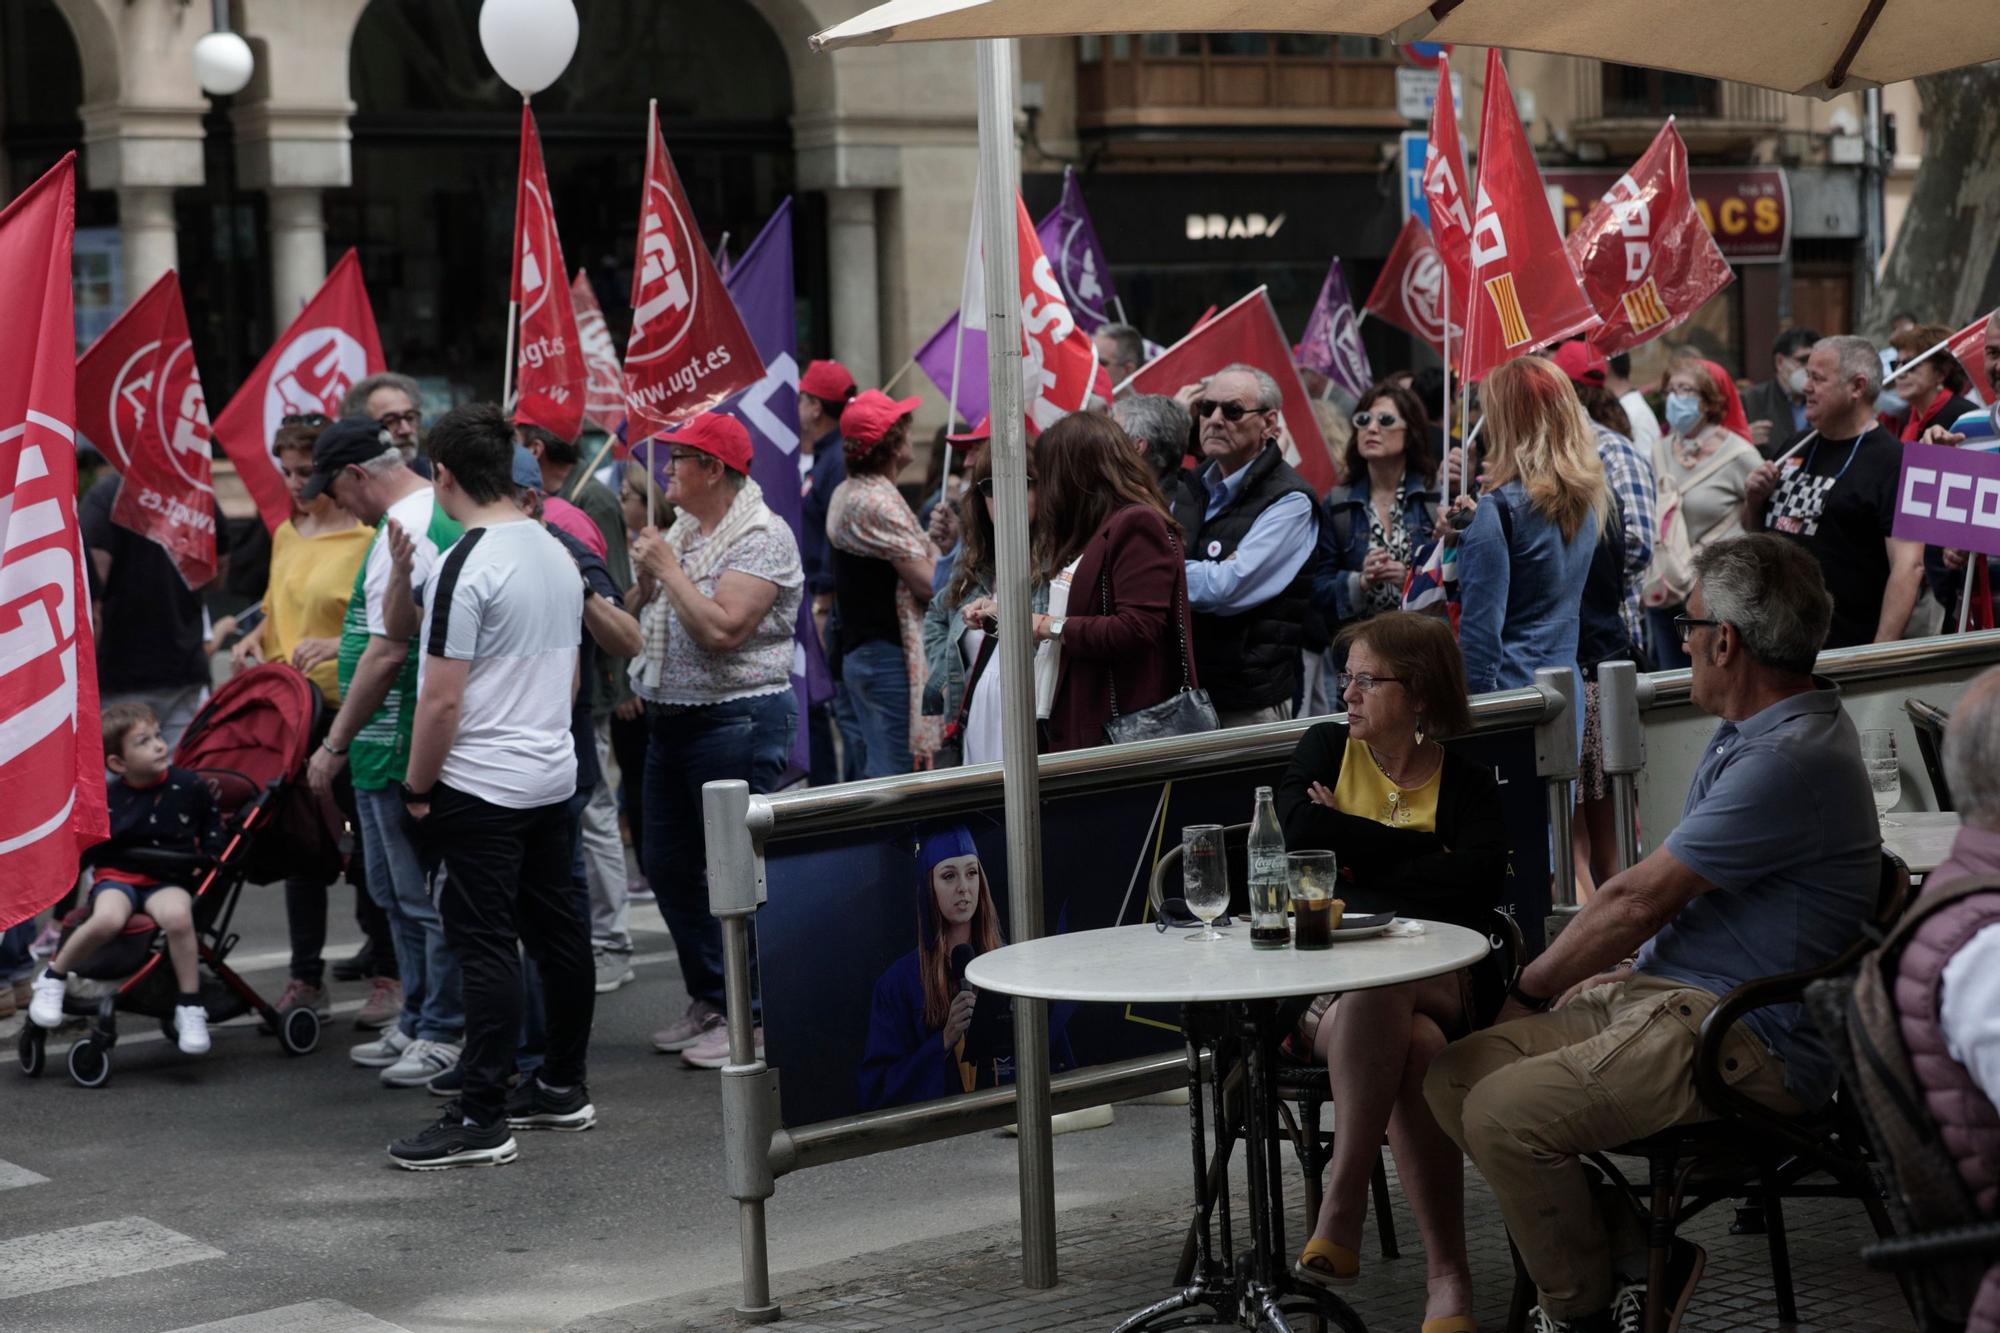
(311, 580)
(1365, 792)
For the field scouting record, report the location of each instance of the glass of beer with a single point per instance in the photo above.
(1312, 879)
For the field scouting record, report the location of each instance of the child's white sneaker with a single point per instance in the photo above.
(45, 1006)
(191, 1025)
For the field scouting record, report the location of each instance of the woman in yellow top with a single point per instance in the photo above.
(1417, 830)
(315, 555)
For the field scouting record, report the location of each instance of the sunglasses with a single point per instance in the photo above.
(306, 419)
(391, 420)
(1686, 625)
(985, 487)
(679, 456)
(1386, 420)
(1175, 914)
(1230, 411)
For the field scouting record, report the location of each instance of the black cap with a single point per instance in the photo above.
(347, 441)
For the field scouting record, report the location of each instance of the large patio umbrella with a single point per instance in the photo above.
(1816, 47)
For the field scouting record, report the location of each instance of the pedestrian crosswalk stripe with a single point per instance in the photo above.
(306, 1317)
(74, 1256)
(13, 1177)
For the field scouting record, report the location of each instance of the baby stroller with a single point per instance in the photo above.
(250, 743)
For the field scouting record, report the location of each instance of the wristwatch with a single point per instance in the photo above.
(328, 747)
(1055, 626)
(413, 797)
(1528, 1000)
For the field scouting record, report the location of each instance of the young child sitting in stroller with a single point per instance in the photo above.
(153, 805)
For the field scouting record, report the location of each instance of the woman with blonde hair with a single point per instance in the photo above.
(1523, 559)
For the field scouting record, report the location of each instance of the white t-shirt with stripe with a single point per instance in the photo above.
(509, 600)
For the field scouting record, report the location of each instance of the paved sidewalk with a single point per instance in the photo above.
(1115, 1260)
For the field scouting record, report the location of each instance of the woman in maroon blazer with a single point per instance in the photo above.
(1117, 581)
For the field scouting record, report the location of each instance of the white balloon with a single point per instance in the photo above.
(530, 42)
(223, 64)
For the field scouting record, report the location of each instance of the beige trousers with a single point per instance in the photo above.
(1526, 1099)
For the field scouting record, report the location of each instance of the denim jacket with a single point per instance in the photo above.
(944, 628)
(1521, 589)
(1337, 590)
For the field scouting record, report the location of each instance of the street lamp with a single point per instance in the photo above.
(222, 60)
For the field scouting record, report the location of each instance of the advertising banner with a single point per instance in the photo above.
(1747, 209)
(860, 964)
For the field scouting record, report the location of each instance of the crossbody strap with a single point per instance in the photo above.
(979, 659)
(1174, 611)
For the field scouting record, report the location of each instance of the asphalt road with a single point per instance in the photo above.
(248, 1192)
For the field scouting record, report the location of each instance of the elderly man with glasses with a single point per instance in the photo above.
(1251, 524)
(1773, 868)
(394, 402)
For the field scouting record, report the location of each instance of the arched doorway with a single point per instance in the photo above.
(435, 160)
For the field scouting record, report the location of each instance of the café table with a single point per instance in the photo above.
(1922, 838)
(1229, 989)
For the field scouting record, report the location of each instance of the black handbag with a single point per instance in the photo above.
(1187, 713)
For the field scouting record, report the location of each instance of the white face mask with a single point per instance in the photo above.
(1796, 381)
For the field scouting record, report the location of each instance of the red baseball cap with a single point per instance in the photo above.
(1583, 363)
(720, 437)
(827, 379)
(977, 435)
(864, 421)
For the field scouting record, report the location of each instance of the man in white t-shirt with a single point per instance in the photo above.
(492, 768)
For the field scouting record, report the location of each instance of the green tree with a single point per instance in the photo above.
(1946, 260)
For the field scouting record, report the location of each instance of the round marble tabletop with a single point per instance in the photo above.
(1141, 965)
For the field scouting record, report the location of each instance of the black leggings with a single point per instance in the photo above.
(628, 743)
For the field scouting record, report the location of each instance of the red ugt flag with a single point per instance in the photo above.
(330, 347)
(1058, 359)
(139, 400)
(1445, 187)
(604, 391)
(550, 374)
(51, 756)
(1248, 332)
(1645, 258)
(688, 350)
(1525, 292)
(1410, 291)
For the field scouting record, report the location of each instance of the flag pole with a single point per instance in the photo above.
(1965, 595)
(1119, 302)
(958, 340)
(513, 305)
(899, 375)
(1447, 382)
(652, 488)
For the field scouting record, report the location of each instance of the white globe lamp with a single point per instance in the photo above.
(530, 42)
(223, 64)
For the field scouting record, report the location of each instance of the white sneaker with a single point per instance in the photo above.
(382, 1052)
(421, 1062)
(45, 1008)
(191, 1024)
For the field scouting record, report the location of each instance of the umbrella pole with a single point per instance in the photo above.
(999, 168)
(958, 342)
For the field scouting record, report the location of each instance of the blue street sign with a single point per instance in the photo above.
(1415, 149)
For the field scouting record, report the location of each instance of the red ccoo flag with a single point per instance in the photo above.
(330, 347)
(51, 755)
(1445, 187)
(1058, 359)
(550, 373)
(688, 350)
(1524, 291)
(604, 394)
(139, 400)
(1410, 291)
(1248, 332)
(1645, 258)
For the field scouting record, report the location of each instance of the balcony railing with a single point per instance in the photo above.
(1220, 80)
(1608, 92)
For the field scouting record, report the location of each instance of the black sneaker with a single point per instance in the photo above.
(449, 1142)
(1685, 1262)
(531, 1105)
(449, 1083)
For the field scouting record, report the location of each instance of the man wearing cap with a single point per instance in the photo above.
(355, 462)
(824, 389)
(883, 567)
(1627, 471)
(492, 768)
(719, 596)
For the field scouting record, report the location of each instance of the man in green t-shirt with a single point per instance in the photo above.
(355, 461)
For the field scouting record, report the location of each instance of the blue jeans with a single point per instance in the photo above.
(15, 960)
(433, 996)
(750, 739)
(878, 692)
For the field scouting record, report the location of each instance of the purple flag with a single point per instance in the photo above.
(1070, 242)
(1332, 341)
(934, 359)
(760, 283)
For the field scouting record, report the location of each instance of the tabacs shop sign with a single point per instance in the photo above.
(1748, 210)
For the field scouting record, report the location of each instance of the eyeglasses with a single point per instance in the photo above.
(1369, 684)
(1386, 420)
(1230, 411)
(391, 420)
(306, 419)
(678, 456)
(1686, 624)
(985, 487)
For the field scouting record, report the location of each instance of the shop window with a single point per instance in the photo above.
(1631, 91)
(1228, 78)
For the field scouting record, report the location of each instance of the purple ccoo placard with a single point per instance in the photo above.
(1949, 497)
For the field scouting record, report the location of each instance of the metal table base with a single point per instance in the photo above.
(1256, 1289)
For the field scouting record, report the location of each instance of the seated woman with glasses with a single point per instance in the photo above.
(1373, 524)
(1417, 830)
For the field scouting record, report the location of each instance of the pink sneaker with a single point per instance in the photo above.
(712, 1051)
(384, 1004)
(299, 995)
(689, 1029)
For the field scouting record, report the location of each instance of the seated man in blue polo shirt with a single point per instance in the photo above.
(1774, 867)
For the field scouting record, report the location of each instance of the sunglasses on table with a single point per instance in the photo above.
(391, 420)
(985, 487)
(1203, 407)
(306, 419)
(1386, 420)
(1175, 914)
